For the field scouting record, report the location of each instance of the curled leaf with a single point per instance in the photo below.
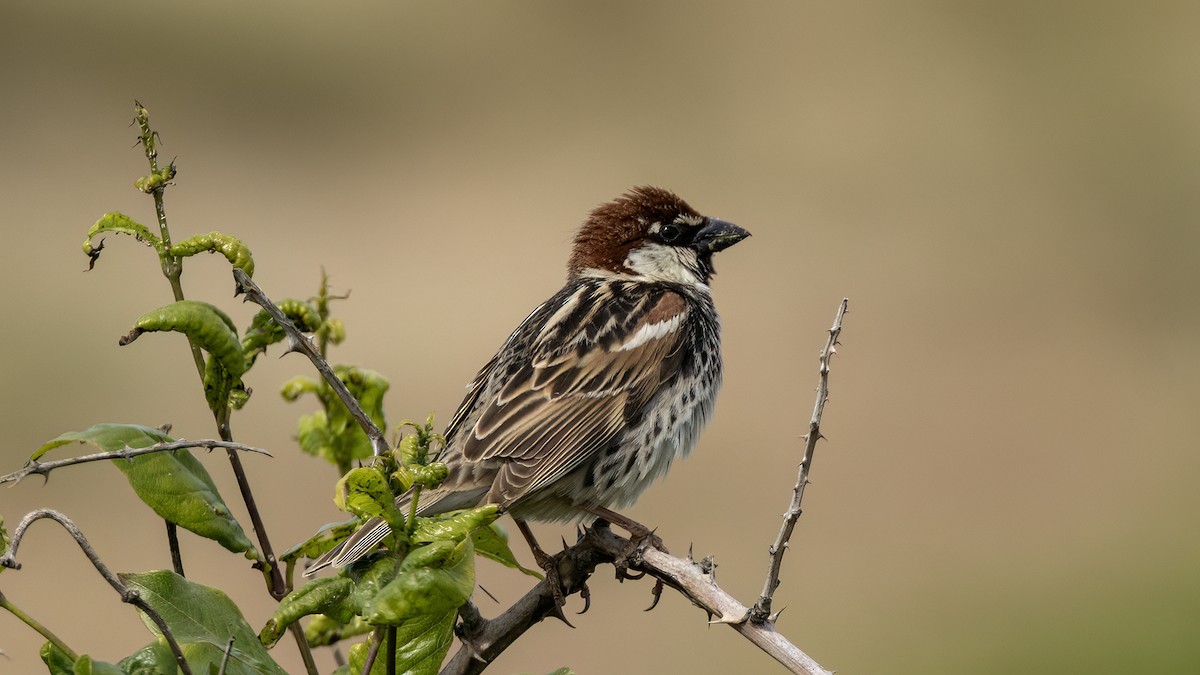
(433, 580)
(323, 631)
(210, 328)
(319, 596)
(157, 180)
(454, 526)
(119, 223)
(428, 475)
(237, 253)
(365, 493)
(263, 330)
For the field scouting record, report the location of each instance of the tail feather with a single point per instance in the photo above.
(354, 547)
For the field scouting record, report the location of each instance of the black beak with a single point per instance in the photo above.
(717, 235)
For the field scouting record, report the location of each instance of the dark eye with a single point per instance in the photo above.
(670, 232)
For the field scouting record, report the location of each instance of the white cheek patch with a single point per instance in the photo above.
(652, 331)
(664, 263)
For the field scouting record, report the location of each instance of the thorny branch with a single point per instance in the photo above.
(127, 594)
(44, 468)
(761, 612)
(484, 639)
(299, 342)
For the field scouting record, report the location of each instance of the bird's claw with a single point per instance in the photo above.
(656, 592)
(549, 565)
(586, 594)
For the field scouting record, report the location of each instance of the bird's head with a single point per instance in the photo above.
(651, 234)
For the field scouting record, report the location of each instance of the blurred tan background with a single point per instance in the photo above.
(1007, 193)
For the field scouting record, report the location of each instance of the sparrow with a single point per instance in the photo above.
(600, 388)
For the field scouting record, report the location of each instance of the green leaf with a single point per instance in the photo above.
(356, 658)
(178, 488)
(365, 493)
(421, 645)
(426, 475)
(157, 180)
(454, 525)
(432, 580)
(491, 542)
(210, 328)
(263, 330)
(323, 630)
(422, 642)
(56, 660)
(119, 223)
(229, 246)
(202, 619)
(174, 483)
(86, 666)
(108, 437)
(319, 596)
(153, 659)
(340, 598)
(422, 602)
(213, 331)
(332, 433)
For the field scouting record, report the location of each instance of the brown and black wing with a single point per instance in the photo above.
(592, 367)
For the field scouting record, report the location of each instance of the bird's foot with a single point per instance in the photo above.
(640, 536)
(549, 565)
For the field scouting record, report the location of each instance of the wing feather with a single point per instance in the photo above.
(580, 386)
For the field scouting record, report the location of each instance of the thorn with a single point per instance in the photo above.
(726, 619)
(690, 558)
(558, 614)
(293, 345)
(564, 542)
(488, 593)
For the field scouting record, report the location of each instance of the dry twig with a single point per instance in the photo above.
(127, 594)
(44, 468)
(484, 639)
(761, 612)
